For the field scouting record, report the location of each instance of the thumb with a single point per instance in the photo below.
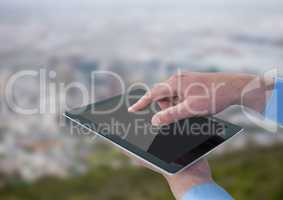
(171, 114)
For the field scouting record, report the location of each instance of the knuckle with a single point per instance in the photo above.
(158, 87)
(173, 77)
(170, 115)
(148, 95)
(172, 80)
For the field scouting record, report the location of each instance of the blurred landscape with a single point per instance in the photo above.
(142, 41)
(254, 174)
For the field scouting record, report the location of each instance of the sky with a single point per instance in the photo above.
(156, 2)
(13, 7)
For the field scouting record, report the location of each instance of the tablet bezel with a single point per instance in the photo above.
(160, 165)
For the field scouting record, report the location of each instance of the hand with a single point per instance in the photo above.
(198, 173)
(197, 94)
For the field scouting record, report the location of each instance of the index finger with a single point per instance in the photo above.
(161, 91)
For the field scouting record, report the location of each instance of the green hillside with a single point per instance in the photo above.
(252, 174)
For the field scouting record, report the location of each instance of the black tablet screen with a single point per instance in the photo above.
(170, 143)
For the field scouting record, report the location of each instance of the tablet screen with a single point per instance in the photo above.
(177, 143)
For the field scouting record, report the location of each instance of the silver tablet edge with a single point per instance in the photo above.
(155, 167)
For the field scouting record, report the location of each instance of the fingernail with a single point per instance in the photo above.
(156, 121)
(130, 109)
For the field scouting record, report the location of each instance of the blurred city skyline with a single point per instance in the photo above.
(139, 40)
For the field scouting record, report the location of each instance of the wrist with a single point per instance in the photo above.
(197, 174)
(254, 91)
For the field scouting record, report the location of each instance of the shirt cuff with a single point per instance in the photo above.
(207, 191)
(274, 106)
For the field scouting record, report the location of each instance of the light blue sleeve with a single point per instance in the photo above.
(274, 107)
(208, 191)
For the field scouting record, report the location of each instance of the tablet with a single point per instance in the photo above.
(168, 148)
